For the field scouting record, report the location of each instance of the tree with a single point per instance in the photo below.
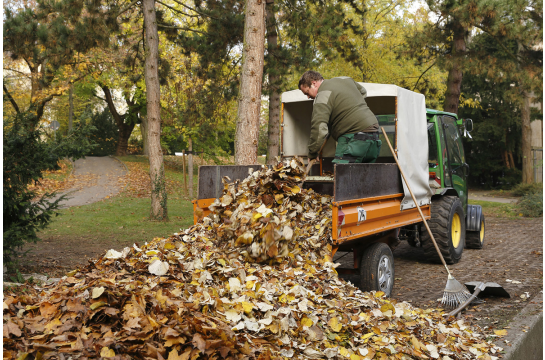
(249, 99)
(25, 157)
(50, 40)
(157, 171)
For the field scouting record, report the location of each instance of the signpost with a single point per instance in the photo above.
(55, 126)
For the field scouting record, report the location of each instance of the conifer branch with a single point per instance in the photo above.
(181, 28)
(513, 56)
(11, 99)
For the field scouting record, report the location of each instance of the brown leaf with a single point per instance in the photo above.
(47, 310)
(199, 342)
(75, 305)
(11, 328)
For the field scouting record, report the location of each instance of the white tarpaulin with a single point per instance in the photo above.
(412, 136)
(412, 145)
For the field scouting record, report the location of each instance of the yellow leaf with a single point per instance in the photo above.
(387, 307)
(295, 189)
(107, 352)
(170, 246)
(257, 216)
(306, 322)
(334, 324)
(97, 305)
(379, 294)
(354, 357)
(221, 261)
(250, 284)
(343, 351)
(247, 306)
(500, 332)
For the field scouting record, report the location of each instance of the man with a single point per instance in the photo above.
(340, 110)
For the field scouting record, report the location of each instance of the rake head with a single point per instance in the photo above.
(455, 293)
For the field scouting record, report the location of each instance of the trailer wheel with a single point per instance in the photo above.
(475, 239)
(449, 229)
(377, 269)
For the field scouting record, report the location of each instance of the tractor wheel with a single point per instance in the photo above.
(448, 227)
(475, 239)
(377, 269)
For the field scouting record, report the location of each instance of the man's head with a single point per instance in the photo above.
(310, 82)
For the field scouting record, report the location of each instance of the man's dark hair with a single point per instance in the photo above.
(308, 77)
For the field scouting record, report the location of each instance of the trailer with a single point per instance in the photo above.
(372, 206)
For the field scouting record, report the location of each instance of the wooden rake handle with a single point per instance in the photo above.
(312, 161)
(416, 203)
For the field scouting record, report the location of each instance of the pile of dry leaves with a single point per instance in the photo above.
(254, 279)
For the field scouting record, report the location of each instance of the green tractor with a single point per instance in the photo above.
(454, 223)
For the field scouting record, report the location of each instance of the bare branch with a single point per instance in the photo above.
(198, 12)
(181, 28)
(11, 99)
(176, 10)
(420, 77)
(128, 7)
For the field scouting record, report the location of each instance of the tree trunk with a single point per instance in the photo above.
(249, 100)
(273, 148)
(144, 130)
(190, 168)
(71, 107)
(123, 136)
(454, 81)
(527, 165)
(156, 166)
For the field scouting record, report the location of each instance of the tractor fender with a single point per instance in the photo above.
(445, 191)
(473, 218)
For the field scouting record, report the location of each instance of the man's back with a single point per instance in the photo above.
(344, 100)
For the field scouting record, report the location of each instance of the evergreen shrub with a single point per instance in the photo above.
(26, 155)
(105, 134)
(525, 189)
(531, 204)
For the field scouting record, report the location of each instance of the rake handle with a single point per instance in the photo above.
(312, 161)
(476, 292)
(416, 203)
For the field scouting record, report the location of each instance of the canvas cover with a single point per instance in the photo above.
(412, 137)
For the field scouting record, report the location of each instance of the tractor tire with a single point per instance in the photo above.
(377, 269)
(475, 239)
(448, 227)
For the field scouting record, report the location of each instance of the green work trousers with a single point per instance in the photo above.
(350, 150)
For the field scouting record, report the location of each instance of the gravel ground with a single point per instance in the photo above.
(513, 250)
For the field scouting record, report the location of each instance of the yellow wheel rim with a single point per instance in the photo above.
(456, 230)
(481, 234)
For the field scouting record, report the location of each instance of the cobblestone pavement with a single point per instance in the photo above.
(513, 250)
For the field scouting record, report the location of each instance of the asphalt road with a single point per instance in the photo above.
(99, 180)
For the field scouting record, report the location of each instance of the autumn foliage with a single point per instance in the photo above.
(254, 279)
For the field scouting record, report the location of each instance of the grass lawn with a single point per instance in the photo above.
(496, 209)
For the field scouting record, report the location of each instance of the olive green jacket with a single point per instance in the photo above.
(339, 108)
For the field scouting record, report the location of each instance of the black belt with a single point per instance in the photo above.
(366, 136)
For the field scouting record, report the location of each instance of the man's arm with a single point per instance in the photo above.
(362, 90)
(318, 125)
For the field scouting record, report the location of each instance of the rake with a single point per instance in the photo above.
(455, 293)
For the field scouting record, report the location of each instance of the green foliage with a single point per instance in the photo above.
(104, 135)
(531, 204)
(497, 130)
(525, 189)
(25, 157)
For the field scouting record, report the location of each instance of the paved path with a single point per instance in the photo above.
(101, 174)
(484, 195)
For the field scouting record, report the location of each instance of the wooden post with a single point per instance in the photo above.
(190, 169)
(183, 172)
